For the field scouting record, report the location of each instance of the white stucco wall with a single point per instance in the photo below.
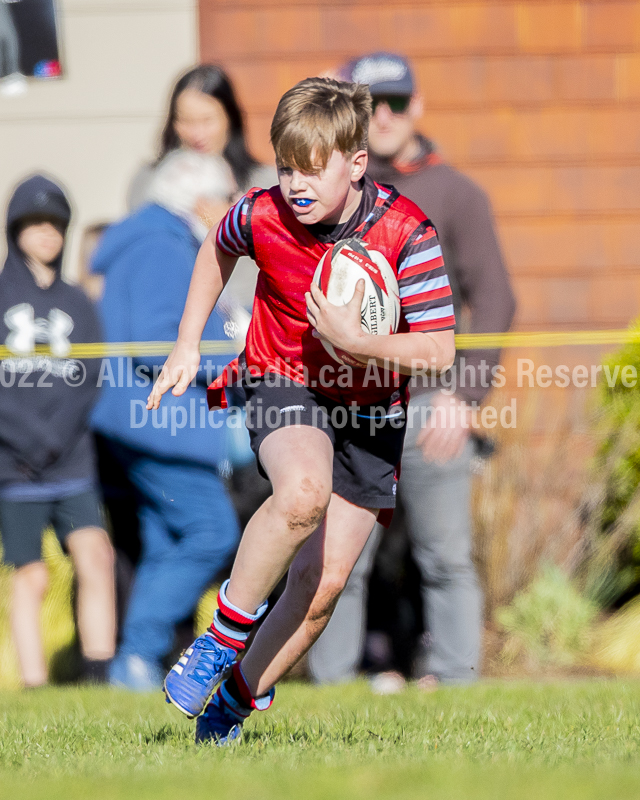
(94, 127)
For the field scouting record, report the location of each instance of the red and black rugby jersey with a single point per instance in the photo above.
(263, 226)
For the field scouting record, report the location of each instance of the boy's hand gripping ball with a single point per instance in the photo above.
(338, 271)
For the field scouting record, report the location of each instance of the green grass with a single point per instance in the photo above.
(569, 740)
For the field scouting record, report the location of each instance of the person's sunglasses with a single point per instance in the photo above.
(397, 105)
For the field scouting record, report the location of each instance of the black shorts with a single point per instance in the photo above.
(367, 440)
(23, 523)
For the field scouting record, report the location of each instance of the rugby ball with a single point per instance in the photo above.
(337, 273)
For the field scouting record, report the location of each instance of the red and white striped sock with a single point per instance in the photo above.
(236, 695)
(231, 625)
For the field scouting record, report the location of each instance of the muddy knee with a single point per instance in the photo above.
(326, 598)
(304, 505)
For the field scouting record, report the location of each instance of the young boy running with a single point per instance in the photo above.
(330, 452)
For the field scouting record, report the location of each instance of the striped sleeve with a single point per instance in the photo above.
(425, 293)
(230, 238)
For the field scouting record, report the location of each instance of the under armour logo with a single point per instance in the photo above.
(26, 331)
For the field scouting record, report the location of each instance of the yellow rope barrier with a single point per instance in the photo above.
(477, 341)
(130, 349)
(464, 341)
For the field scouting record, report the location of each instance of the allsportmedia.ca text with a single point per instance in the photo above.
(127, 372)
(124, 372)
(121, 372)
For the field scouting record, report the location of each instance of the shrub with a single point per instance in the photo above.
(617, 640)
(612, 507)
(550, 623)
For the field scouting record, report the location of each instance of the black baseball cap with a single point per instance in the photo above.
(387, 74)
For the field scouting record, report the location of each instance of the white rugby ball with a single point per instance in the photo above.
(337, 274)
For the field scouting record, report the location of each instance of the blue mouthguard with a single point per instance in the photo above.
(303, 202)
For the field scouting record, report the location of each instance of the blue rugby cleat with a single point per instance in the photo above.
(223, 718)
(219, 724)
(201, 667)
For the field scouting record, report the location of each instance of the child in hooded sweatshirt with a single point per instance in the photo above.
(47, 470)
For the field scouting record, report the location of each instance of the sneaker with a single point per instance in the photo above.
(428, 683)
(134, 673)
(96, 670)
(219, 724)
(223, 718)
(387, 683)
(190, 682)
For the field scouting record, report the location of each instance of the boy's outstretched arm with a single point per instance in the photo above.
(211, 272)
(411, 352)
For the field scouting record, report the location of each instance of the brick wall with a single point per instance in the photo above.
(537, 101)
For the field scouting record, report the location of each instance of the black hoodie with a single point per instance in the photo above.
(45, 400)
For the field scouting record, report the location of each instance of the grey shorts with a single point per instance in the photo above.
(23, 523)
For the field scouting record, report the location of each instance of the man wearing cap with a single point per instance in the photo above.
(436, 473)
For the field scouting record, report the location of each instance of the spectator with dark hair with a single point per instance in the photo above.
(47, 469)
(436, 464)
(188, 527)
(205, 117)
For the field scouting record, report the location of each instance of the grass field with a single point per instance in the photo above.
(561, 740)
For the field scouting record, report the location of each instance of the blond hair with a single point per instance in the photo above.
(316, 117)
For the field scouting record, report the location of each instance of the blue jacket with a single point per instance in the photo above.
(147, 260)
